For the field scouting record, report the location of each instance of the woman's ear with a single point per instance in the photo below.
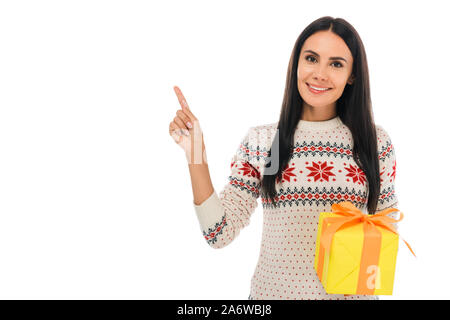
(351, 79)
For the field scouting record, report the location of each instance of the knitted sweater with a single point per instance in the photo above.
(321, 172)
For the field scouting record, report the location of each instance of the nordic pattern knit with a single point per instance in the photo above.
(321, 172)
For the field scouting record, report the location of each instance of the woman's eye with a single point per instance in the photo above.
(312, 57)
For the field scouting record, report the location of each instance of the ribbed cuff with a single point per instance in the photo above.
(210, 211)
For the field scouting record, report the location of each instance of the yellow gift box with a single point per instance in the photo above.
(356, 253)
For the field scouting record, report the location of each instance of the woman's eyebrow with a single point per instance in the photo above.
(331, 58)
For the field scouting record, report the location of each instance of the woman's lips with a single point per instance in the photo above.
(316, 91)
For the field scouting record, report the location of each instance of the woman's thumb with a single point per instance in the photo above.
(189, 112)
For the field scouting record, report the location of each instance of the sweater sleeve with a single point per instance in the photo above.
(388, 166)
(223, 215)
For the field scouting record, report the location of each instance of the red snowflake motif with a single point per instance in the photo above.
(394, 170)
(320, 171)
(249, 170)
(381, 179)
(356, 174)
(287, 174)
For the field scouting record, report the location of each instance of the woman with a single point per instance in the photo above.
(324, 149)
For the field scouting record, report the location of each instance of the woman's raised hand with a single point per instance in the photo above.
(186, 132)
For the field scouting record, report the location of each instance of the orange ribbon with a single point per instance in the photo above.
(372, 237)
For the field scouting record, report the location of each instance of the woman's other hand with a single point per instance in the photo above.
(186, 132)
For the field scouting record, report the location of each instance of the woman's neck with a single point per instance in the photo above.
(318, 113)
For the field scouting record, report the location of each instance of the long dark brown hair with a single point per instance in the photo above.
(354, 108)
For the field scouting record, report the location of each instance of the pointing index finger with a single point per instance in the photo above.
(181, 98)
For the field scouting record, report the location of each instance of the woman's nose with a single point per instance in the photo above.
(320, 73)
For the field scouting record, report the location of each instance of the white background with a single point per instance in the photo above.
(95, 196)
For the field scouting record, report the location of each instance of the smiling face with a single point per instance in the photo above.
(325, 61)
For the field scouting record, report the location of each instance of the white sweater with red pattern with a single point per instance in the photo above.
(321, 172)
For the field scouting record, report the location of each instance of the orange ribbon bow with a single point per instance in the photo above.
(372, 236)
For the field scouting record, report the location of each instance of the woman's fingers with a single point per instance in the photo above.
(184, 105)
(180, 124)
(185, 119)
(192, 140)
(175, 132)
(180, 96)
